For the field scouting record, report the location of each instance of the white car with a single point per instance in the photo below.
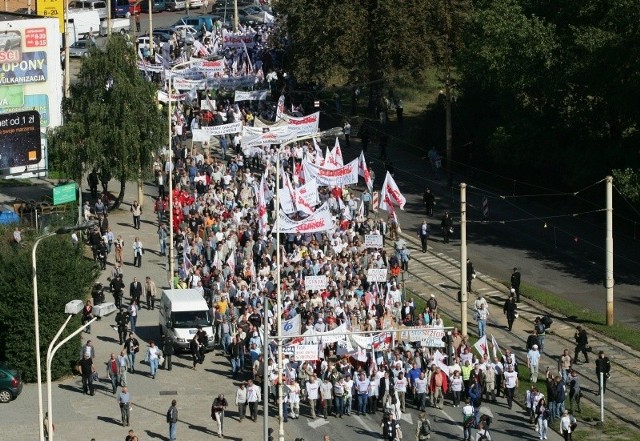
(191, 33)
(195, 4)
(176, 5)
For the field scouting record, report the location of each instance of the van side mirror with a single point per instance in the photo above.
(169, 324)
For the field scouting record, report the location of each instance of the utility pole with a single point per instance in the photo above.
(235, 15)
(151, 42)
(463, 258)
(447, 93)
(67, 74)
(109, 18)
(609, 250)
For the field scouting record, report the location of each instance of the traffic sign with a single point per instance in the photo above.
(63, 194)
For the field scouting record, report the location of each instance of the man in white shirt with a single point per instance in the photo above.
(362, 391)
(253, 398)
(510, 384)
(533, 359)
(312, 387)
(401, 389)
(420, 385)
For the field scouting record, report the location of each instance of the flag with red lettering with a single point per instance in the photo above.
(262, 208)
(331, 161)
(481, 346)
(391, 194)
(319, 159)
(363, 171)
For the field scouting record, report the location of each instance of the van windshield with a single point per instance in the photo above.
(191, 319)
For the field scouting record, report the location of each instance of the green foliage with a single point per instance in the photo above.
(367, 40)
(64, 274)
(112, 128)
(628, 182)
(556, 84)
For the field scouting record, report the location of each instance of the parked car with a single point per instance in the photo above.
(121, 25)
(10, 383)
(92, 5)
(158, 5)
(81, 48)
(176, 5)
(195, 4)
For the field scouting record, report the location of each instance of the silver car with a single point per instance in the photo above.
(80, 49)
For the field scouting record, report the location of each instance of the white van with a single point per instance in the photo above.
(82, 23)
(93, 5)
(181, 312)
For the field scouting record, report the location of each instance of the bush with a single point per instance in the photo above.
(64, 274)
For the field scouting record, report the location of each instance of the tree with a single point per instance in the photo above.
(364, 41)
(64, 274)
(112, 121)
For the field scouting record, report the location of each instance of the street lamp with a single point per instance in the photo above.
(71, 308)
(335, 131)
(36, 318)
(170, 162)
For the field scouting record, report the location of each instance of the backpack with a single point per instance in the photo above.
(546, 321)
(482, 436)
(169, 414)
(425, 429)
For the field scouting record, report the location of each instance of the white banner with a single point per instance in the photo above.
(292, 326)
(208, 105)
(315, 283)
(377, 275)
(304, 125)
(373, 240)
(231, 83)
(320, 220)
(306, 352)
(224, 129)
(253, 95)
(334, 335)
(289, 350)
(215, 66)
(430, 337)
(230, 40)
(361, 341)
(338, 177)
(200, 135)
(163, 97)
(253, 137)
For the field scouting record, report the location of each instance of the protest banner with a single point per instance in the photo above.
(315, 283)
(338, 177)
(253, 95)
(320, 220)
(373, 241)
(431, 338)
(306, 352)
(304, 125)
(253, 137)
(224, 129)
(377, 275)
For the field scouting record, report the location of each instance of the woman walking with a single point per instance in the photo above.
(153, 354)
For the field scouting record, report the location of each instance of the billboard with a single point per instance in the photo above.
(20, 139)
(31, 80)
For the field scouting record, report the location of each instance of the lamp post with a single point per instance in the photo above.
(36, 317)
(170, 162)
(50, 353)
(336, 131)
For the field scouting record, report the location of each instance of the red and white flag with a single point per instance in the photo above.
(495, 349)
(280, 108)
(231, 261)
(363, 171)
(262, 208)
(481, 346)
(391, 194)
(337, 153)
(331, 161)
(319, 159)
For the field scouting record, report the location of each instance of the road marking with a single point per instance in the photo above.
(363, 424)
(314, 424)
(452, 420)
(407, 417)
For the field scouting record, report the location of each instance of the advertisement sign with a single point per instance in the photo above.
(20, 139)
(31, 68)
(377, 275)
(52, 8)
(315, 283)
(373, 241)
(31, 80)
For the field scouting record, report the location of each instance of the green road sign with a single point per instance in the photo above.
(64, 193)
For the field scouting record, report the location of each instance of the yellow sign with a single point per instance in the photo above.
(52, 8)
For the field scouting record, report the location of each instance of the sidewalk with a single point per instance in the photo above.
(442, 274)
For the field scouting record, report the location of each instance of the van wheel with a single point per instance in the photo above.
(123, 31)
(5, 396)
